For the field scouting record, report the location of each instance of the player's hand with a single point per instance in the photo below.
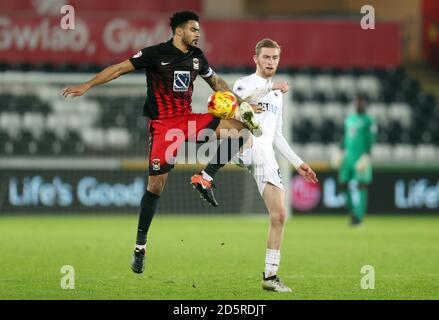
(306, 172)
(362, 163)
(282, 86)
(75, 91)
(257, 108)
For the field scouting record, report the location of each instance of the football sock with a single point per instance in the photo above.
(225, 152)
(348, 199)
(272, 260)
(148, 207)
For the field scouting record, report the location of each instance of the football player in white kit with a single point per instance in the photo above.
(259, 89)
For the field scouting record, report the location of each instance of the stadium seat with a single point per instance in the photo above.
(33, 122)
(403, 153)
(427, 137)
(57, 123)
(314, 151)
(382, 153)
(303, 83)
(118, 138)
(333, 111)
(368, 85)
(345, 84)
(324, 84)
(8, 148)
(10, 122)
(94, 138)
(400, 112)
(426, 153)
(379, 112)
(312, 111)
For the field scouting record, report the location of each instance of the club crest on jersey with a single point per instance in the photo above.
(181, 80)
(155, 164)
(196, 63)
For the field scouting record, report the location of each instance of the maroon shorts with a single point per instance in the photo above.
(167, 135)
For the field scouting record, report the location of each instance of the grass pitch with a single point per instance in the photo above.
(217, 257)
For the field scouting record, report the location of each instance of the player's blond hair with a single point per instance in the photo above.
(266, 43)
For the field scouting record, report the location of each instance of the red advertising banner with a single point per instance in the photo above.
(305, 43)
(103, 40)
(430, 11)
(98, 7)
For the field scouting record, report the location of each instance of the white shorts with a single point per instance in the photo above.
(262, 164)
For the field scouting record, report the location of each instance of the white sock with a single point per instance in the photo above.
(272, 260)
(206, 176)
(140, 246)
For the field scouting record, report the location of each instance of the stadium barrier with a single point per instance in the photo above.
(395, 191)
(119, 191)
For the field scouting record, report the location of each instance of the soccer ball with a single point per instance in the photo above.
(222, 104)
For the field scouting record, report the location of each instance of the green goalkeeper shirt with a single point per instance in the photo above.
(359, 135)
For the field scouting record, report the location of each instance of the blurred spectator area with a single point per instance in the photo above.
(35, 120)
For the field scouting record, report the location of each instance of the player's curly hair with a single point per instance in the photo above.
(180, 18)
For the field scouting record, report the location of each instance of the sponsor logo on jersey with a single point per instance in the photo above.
(266, 106)
(196, 63)
(155, 164)
(181, 80)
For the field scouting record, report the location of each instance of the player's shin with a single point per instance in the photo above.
(362, 204)
(148, 207)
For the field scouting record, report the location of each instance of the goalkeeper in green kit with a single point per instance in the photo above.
(355, 163)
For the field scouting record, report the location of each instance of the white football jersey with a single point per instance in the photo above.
(270, 100)
(257, 90)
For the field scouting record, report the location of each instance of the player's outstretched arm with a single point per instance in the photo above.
(302, 167)
(109, 73)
